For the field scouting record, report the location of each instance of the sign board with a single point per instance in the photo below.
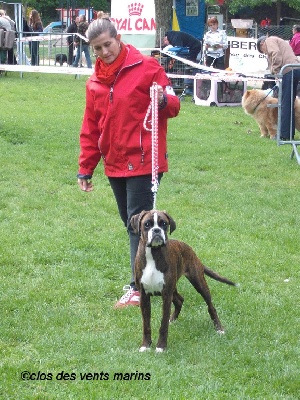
(245, 58)
(136, 18)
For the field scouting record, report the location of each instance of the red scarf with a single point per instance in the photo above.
(106, 73)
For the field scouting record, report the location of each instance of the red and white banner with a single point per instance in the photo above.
(133, 17)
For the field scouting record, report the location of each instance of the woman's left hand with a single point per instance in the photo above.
(160, 93)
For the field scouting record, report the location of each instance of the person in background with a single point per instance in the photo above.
(4, 22)
(214, 44)
(73, 28)
(11, 59)
(182, 39)
(82, 45)
(117, 100)
(36, 26)
(102, 14)
(295, 41)
(280, 53)
(5, 25)
(265, 22)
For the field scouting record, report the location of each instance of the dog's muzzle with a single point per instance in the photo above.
(156, 238)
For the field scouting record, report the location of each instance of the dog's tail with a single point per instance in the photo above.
(217, 277)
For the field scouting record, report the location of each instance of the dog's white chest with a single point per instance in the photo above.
(152, 279)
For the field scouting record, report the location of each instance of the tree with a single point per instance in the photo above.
(235, 5)
(47, 8)
(163, 18)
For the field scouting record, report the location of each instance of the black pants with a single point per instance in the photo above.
(70, 53)
(290, 82)
(133, 195)
(34, 52)
(218, 63)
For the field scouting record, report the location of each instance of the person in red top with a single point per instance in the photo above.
(295, 41)
(117, 100)
(265, 22)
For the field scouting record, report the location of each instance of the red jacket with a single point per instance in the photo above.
(295, 43)
(112, 126)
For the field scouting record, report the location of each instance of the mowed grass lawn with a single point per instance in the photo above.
(64, 258)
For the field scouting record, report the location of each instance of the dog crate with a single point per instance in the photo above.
(214, 91)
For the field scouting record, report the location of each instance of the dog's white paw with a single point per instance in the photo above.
(144, 348)
(221, 331)
(159, 350)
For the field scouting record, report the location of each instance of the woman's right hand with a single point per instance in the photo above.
(85, 184)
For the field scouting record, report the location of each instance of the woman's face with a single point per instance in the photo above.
(106, 47)
(213, 26)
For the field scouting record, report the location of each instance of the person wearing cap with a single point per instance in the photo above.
(295, 41)
(280, 53)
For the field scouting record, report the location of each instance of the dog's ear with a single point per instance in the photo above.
(135, 222)
(172, 223)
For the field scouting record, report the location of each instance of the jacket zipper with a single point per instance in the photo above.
(111, 90)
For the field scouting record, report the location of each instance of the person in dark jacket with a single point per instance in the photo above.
(182, 39)
(117, 100)
(73, 28)
(82, 45)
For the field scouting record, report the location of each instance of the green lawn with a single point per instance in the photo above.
(64, 258)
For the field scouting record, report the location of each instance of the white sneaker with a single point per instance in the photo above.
(130, 298)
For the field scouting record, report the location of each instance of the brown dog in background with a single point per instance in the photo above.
(255, 103)
(159, 263)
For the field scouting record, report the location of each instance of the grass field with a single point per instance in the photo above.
(64, 258)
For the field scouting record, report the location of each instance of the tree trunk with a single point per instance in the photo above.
(278, 11)
(163, 18)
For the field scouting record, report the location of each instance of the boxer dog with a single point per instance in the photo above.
(159, 263)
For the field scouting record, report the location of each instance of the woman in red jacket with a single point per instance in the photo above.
(117, 99)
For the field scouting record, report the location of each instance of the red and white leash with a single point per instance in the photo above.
(153, 109)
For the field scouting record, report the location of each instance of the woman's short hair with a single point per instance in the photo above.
(212, 20)
(296, 28)
(99, 26)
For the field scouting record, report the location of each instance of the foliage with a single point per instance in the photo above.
(235, 5)
(64, 257)
(47, 8)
